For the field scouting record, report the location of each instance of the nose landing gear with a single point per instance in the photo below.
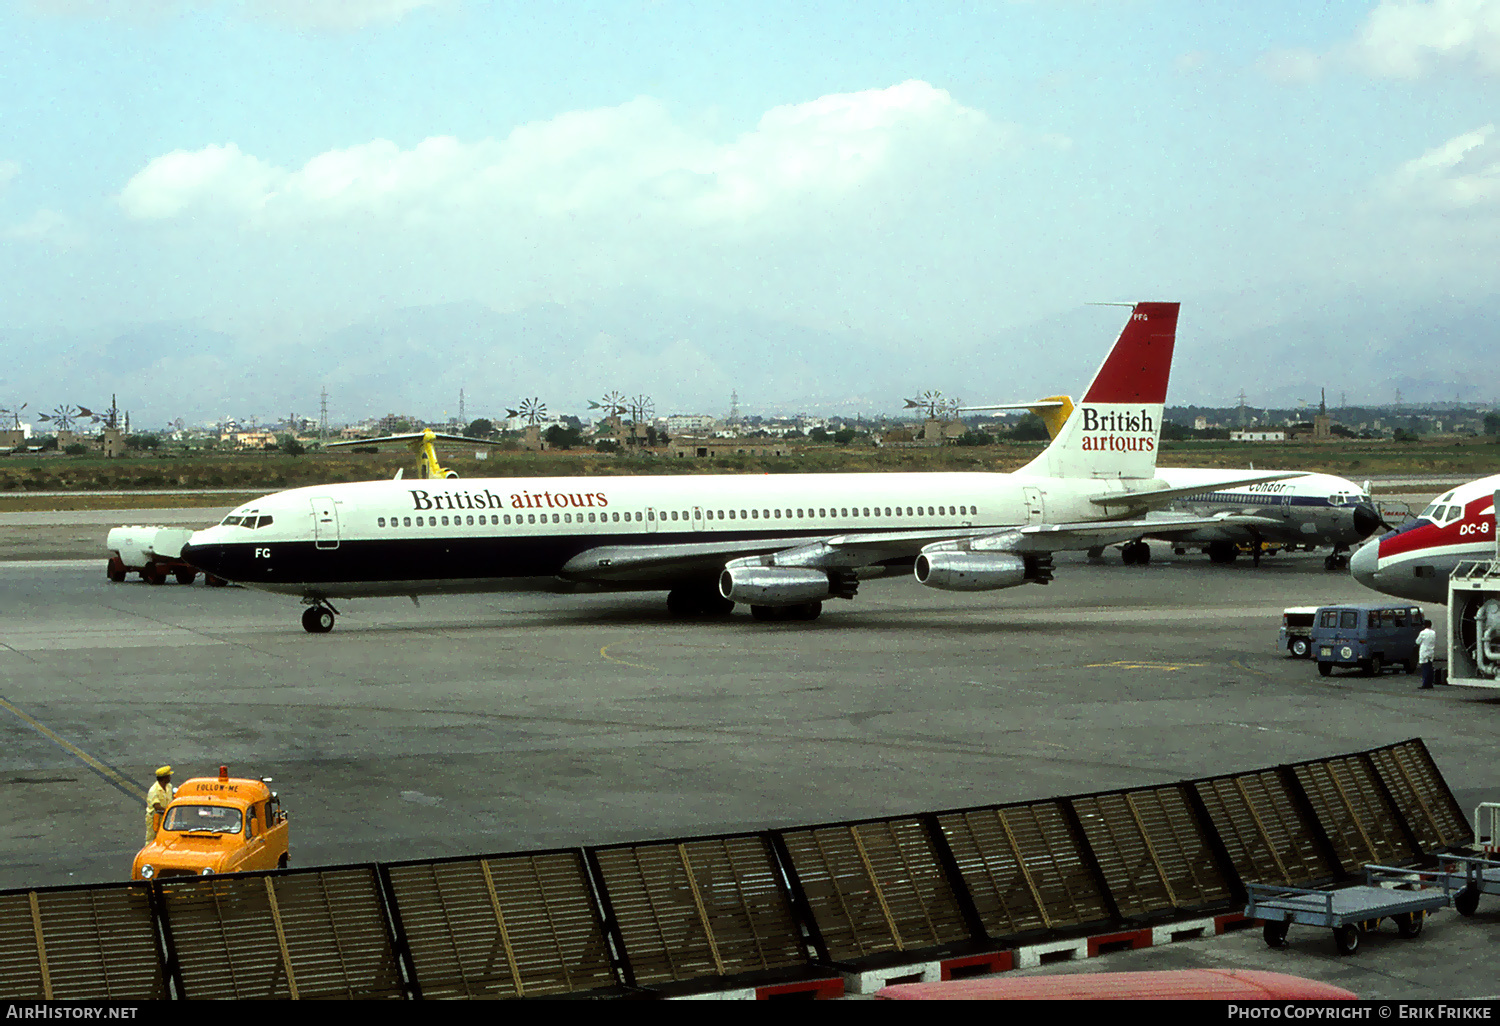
(1338, 559)
(317, 618)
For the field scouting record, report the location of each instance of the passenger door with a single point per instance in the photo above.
(325, 523)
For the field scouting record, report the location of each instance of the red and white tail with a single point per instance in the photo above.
(1116, 429)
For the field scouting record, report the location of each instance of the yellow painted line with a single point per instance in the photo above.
(624, 662)
(1131, 664)
(109, 773)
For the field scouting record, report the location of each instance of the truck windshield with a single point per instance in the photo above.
(216, 818)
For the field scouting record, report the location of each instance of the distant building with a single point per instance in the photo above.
(689, 423)
(686, 447)
(1272, 435)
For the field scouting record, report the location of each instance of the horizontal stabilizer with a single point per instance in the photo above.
(416, 436)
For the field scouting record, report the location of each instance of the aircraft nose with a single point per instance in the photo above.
(1366, 520)
(1364, 563)
(205, 557)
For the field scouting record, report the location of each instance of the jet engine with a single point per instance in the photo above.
(776, 585)
(981, 571)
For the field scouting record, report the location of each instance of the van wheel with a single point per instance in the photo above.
(1373, 666)
(1325, 669)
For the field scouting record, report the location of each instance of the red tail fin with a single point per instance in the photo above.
(1137, 368)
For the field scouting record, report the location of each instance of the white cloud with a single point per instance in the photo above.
(632, 163)
(1402, 39)
(1407, 38)
(47, 227)
(10, 170)
(1461, 175)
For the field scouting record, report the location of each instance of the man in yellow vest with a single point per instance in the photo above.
(157, 800)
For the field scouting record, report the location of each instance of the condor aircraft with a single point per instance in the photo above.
(1416, 561)
(1303, 509)
(781, 544)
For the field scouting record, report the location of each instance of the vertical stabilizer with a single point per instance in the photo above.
(1116, 429)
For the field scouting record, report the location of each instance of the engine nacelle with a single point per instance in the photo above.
(981, 571)
(774, 585)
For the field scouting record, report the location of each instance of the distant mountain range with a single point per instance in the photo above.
(691, 358)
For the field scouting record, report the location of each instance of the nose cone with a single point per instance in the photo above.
(1365, 562)
(206, 557)
(1366, 521)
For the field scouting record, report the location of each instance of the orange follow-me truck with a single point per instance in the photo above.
(214, 825)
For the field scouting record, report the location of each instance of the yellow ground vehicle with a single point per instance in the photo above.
(218, 824)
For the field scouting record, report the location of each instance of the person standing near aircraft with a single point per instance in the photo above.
(1426, 652)
(157, 800)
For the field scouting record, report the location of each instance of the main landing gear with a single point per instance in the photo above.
(1136, 553)
(317, 618)
(1338, 559)
(698, 603)
(805, 611)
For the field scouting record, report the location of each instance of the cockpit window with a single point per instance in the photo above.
(1431, 511)
(230, 522)
(264, 522)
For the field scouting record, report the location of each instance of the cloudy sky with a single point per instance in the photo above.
(271, 184)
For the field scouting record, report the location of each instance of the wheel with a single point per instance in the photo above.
(1410, 924)
(807, 612)
(317, 619)
(1330, 563)
(683, 603)
(1301, 648)
(186, 576)
(1127, 554)
(765, 613)
(281, 862)
(1466, 901)
(1325, 669)
(115, 570)
(1373, 666)
(1222, 552)
(1142, 553)
(1095, 551)
(151, 575)
(1346, 939)
(1275, 933)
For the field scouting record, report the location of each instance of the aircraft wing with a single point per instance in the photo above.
(1158, 496)
(650, 564)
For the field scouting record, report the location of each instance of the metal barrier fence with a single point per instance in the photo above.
(704, 913)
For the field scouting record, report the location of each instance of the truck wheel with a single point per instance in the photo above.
(115, 569)
(1346, 939)
(1301, 648)
(1275, 933)
(1410, 924)
(1466, 901)
(151, 575)
(1325, 669)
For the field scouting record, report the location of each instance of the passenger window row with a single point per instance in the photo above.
(841, 512)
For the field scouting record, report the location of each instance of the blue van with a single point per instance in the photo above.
(1369, 635)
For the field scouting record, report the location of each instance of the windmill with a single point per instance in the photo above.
(936, 406)
(14, 413)
(641, 408)
(613, 404)
(63, 417)
(533, 410)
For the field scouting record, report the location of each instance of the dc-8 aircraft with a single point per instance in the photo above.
(781, 544)
(1416, 561)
